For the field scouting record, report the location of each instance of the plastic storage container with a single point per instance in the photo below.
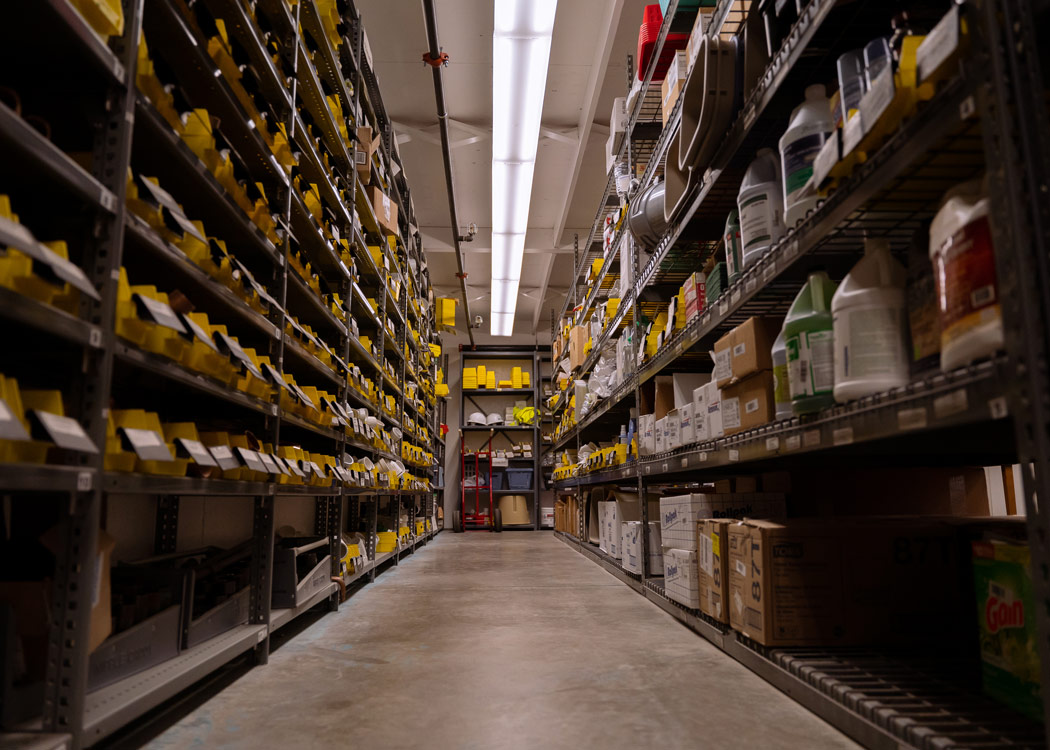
(869, 312)
(648, 33)
(851, 81)
(964, 268)
(809, 337)
(781, 388)
(732, 238)
(761, 205)
(811, 124)
(519, 479)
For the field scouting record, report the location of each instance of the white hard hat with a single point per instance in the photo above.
(494, 418)
(477, 418)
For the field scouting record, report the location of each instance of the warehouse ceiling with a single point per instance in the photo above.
(592, 39)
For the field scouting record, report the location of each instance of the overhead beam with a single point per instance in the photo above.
(606, 31)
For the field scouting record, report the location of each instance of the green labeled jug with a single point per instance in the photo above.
(811, 346)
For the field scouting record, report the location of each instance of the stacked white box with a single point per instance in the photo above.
(632, 548)
(679, 514)
(682, 577)
(603, 526)
(613, 531)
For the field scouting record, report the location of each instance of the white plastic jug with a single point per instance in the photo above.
(963, 261)
(761, 204)
(811, 124)
(870, 323)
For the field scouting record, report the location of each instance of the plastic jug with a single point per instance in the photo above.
(811, 124)
(732, 240)
(869, 313)
(964, 268)
(761, 205)
(809, 337)
(781, 389)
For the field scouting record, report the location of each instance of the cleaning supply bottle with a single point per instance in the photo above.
(869, 313)
(732, 240)
(924, 327)
(809, 336)
(811, 124)
(761, 205)
(781, 389)
(851, 81)
(963, 260)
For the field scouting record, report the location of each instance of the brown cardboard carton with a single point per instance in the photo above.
(368, 144)
(927, 491)
(845, 581)
(663, 400)
(713, 559)
(385, 210)
(577, 343)
(670, 90)
(98, 581)
(748, 403)
(745, 350)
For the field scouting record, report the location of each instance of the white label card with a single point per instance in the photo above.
(159, 312)
(147, 444)
(772, 443)
(250, 459)
(195, 450)
(268, 462)
(224, 457)
(65, 432)
(230, 345)
(11, 428)
(194, 331)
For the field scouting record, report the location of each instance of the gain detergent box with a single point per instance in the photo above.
(1006, 617)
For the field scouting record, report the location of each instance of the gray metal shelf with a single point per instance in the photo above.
(46, 478)
(111, 707)
(35, 741)
(881, 699)
(47, 319)
(280, 617)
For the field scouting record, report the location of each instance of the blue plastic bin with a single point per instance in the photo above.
(519, 479)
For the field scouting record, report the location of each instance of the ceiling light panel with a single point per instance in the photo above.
(521, 46)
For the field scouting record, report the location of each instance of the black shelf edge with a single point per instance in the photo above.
(47, 319)
(19, 477)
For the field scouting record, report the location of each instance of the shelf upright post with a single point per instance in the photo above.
(1014, 124)
(581, 507)
(537, 440)
(66, 674)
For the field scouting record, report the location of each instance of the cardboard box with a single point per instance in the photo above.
(617, 123)
(745, 350)
(845, 581)
(385, 210)
(688, 426)
(631, 559)
(695, 288)
(368, 145)
(661, 435)
(670, 90)
(1009, 636)
(707, 412)
(680, 513)
(713, 561)
(673, 430)
(681, 578)
(683, 385)
(748, 403)
(700, 24)
(646, 435)
(577, 343)
(664, 395)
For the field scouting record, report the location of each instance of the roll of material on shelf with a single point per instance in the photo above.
(646, 217)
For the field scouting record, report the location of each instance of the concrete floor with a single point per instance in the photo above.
(508, 641)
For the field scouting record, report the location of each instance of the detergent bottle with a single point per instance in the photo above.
(811, 124)
(870, 325)
(761, 205)
(809, 337)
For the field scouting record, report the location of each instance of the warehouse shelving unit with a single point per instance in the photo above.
(303, 79)
(527, 357)
(993, 411)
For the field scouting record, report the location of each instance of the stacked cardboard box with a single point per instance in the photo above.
(632, 548)
(744, 372)
(680, 513)
(672, 85)
(680, 577)
(712, 557)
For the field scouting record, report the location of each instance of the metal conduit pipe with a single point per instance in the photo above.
(446, 154)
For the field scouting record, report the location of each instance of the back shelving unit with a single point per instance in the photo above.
(314, 354)
(503, 436)
(984, 117)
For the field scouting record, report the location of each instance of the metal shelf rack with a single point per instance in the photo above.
(286, 74)
(990, 412)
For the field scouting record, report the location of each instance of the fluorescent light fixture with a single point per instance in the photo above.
(521, 50)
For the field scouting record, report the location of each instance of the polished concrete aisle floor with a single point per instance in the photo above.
(499, 641)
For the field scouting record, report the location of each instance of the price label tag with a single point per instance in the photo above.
(147, 444)
(293, 466)
(734, 454)
(281, 465)
(751, 284)
(734, 296)
(158, 312)
(685, 463)
(842, 436)
(65, 432)
(792, 442)
(702, 457)
(250, 459)
(230, 346)
(911, 419)
(268, 462)
(811, 438)
(772, 444)
(723, 308)
(224, 457)
(769, 272)
(997, 407)
(950, 403)
(791, 250)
